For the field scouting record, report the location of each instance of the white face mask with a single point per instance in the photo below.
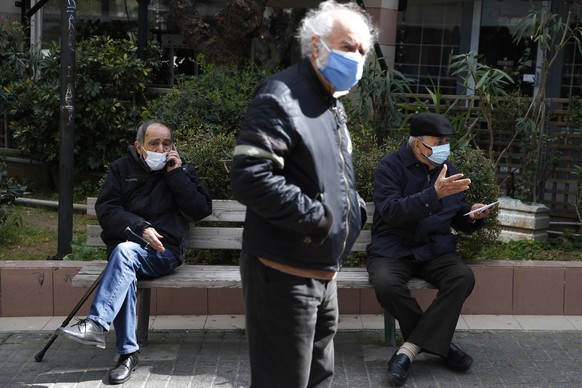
(155, 160)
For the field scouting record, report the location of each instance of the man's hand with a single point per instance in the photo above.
(454, 184)
(153, 238)
(480, 214)
(173, 160)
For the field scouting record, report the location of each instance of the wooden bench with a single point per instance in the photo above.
(220, 276)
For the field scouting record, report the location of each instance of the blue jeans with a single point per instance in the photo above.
(290, 322)
(116, 295)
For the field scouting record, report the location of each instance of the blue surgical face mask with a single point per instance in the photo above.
(439, 154)
(343, 69)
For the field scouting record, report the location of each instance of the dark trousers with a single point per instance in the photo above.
(432, 329)
(290, 325)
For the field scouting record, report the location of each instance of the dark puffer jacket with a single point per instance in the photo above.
(292, 168)
(135, 196)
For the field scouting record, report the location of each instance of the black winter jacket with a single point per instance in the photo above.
(292, 168)
(135, 196)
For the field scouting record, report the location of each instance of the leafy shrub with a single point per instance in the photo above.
(87, 188)
(379, 102)
(215, 100)
(564, 248)
(484, 189)
(9, 191)
(212, 256)
(210, 153)
(82, 252)
(17, 62)
(366, 156)
(109, 77)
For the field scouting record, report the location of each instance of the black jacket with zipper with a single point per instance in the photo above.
(135, 196)
(292, 168)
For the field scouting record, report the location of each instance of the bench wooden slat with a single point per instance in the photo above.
(195, 276)
(221, 276)
(207, 237)
(216, 237)
(201, 237)
(222, 210)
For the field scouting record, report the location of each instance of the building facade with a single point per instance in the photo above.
(417, 37)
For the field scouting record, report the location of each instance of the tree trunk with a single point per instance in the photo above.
(236, 24)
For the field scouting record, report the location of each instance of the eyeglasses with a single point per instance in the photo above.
(445, 141)
(165, 143)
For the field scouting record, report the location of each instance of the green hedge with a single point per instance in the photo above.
(109, 78)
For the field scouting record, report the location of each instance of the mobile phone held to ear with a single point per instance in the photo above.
(172, 163)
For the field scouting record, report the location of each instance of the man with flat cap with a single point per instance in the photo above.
(419, 197)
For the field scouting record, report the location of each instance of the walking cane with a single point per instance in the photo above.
(131, 236)
(40, 354)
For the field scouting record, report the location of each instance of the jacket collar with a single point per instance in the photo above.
(406, 155)
(307, 69)
(133, 155)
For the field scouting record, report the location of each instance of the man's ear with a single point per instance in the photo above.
(417, 145)
(315, 47)
(138, 148)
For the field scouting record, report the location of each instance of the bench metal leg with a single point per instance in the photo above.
(389, 329)
(143, 315)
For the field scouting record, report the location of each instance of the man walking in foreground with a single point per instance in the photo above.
(292, 168)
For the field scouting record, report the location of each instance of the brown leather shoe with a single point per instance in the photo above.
(122, 371)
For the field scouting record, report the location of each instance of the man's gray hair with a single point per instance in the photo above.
(320, 22)
(411, 140)
(141, 130)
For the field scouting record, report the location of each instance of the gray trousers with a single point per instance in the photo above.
(434, 328)
(290, 325)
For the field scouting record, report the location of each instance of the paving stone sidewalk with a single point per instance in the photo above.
(201, 359)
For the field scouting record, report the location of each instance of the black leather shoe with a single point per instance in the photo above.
(122, 371)
(86, 332)
(457, 359)
(398, 368)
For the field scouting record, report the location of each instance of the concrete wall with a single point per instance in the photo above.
(43, 288)
(9, 11)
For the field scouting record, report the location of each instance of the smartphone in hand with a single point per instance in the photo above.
(482, 208)
(172, 162)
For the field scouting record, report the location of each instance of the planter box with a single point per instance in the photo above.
(43, 288)
(519, 221)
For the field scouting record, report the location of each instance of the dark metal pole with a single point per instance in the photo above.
(142, 27)
(142, 37)
(67, 125)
